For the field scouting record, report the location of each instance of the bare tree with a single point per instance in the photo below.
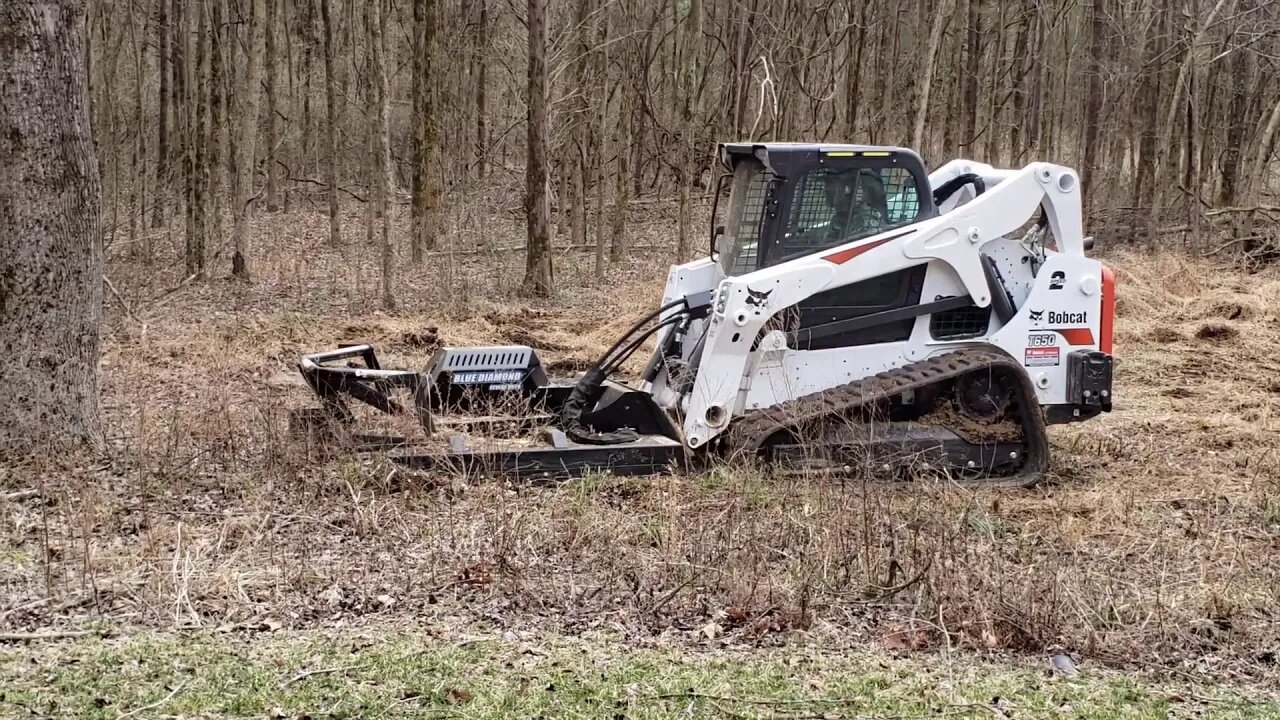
(481, 83)
(198, 108)
(217, 118)
(243, 180)
(273, 181)
(381, 165)
(331, 125)
(538, 274)
(1139, 95)
(1093, 106)
(165, 70)
(426, 169)
(688, 42)
(941, 14)
(50, 229)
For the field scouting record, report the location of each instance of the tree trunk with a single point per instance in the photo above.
(1093, 105)
(164, 65)
(600, 146)
(1257, 173)
(50, 230)
(1237, 121)
(1177, 106)
(973, 59)
(331, 126)
(177, 160)
(381, 186)
(138, 192)
(618, 231)
(198, 146)
(853, 75)
(273, 182)
(926, 83)
(538, 279)
(426, 170)
(482, 107)
(1021, 69)
(243, 180)
(538, 259)
(217, 119)
(583, 123)
(691, 112)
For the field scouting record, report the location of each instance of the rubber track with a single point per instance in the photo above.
(749, 432)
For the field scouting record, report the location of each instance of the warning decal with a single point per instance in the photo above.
(1041, 356)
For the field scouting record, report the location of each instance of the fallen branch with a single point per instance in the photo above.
(25, 606)
(1233, 243)
(177, 287)
(128, 310)
(21, 495)
(1249, 209)
(322, 671)
(153, 705)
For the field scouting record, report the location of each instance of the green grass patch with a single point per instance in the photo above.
(394, 676)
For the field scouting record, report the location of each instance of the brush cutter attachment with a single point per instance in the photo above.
(489, 410)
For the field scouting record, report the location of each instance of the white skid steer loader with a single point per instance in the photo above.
(854, 314)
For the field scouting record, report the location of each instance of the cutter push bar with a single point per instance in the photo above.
(466, 394)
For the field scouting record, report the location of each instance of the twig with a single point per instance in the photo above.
(177, 287)
(43, 635)
(886, 593)
(128, 310)
(322, 671)
(155, 704)
(21, 495)
(669, 596)
(326, 186)
(25, 606)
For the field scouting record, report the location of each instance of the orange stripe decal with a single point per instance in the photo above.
(1076, 336)
(844, 256)
(1108, 309)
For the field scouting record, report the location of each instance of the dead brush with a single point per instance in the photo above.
(1152, 541)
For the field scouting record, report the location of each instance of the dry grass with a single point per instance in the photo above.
(1154, 542)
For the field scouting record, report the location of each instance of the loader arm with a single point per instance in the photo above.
(744, 304)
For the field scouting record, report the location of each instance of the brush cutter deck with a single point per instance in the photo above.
(486, 410)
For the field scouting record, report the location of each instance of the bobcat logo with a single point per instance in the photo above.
(1035, 315)
(758, 299)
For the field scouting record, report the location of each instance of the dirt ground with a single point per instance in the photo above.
(1153, 544)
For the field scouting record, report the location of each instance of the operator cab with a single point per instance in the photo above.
(788, 200)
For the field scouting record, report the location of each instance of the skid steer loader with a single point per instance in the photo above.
(854, 314)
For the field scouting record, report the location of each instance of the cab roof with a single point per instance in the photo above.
(730, 151)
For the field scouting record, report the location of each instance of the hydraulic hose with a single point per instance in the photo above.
(949, 188)
(587, 389)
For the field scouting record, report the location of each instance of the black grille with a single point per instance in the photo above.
(960, 324)
(747, 231)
